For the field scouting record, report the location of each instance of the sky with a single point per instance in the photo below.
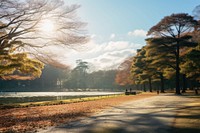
(118, 27)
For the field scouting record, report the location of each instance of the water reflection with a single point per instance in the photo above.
(21, 97)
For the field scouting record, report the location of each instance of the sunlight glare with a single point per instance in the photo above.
(47, 26)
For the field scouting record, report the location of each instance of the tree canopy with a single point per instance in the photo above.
(30, 25)
(172, 32)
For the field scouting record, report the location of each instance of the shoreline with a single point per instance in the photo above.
(66, 100)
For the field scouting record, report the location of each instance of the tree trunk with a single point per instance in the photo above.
(184, 83)
(144, 88)
(150, 86)
(137, 87)
(177, 70)
(162, 90)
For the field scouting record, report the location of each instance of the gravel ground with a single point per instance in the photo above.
(156, 114)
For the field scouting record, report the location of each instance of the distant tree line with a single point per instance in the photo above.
(56, 79)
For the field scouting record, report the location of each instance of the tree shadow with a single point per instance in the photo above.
(119, 119)
(185, 130)
(159, 119)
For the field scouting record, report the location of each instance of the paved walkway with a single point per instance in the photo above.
(149, 115)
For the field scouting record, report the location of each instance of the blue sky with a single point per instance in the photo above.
(113, 23)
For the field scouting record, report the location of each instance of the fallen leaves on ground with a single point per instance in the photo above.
(33, 118)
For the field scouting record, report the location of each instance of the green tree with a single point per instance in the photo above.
(81, 70)
(191, 66)
(171, 32)
(161, 60)
(19, 66)
(78, 76)
(141, 70)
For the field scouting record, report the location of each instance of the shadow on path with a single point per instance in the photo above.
(150, 115)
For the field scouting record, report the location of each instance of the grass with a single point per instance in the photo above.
(56, 102)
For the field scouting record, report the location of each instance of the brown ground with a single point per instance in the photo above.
(188, 118)
(32, 118)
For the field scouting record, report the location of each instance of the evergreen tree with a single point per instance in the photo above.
(171, 32)
(141, 70)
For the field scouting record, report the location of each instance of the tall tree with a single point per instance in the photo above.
(141, 70)
(78, 75)
(31, 25)
(171, 32)
(160, 60)
(27, 21)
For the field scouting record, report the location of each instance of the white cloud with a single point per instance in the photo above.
(119, 45)
(93, 36)
(106, 55)
(138, 33)
(112, 36)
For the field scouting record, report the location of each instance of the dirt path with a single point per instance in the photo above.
(149, 115)
(188, 118)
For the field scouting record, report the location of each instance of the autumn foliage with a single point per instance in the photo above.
(123, 76)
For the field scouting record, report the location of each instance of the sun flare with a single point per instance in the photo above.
(47, 26)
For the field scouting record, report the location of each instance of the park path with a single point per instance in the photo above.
(149, 115)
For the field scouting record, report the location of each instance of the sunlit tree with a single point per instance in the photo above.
(171, 32)
(191, 66)
(30, 25)
(141, 69)
(39, 23)
(161, 61)
(19, 66)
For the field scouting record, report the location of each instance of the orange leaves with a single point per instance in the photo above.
(123, 77)
(33, 118)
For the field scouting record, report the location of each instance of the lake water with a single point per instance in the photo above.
(21, 97)
(38, 94)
